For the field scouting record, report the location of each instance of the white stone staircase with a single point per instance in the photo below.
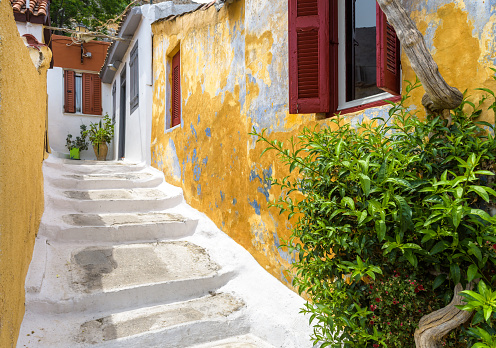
(121, 261)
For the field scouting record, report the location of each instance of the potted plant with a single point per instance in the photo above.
(79, 144)
(100, 134)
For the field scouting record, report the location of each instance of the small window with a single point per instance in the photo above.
(134, 78)
(342, 54)
(176, 90)
(82, 93)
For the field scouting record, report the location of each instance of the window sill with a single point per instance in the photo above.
(171, 129)
(369, 104)
(80, 114)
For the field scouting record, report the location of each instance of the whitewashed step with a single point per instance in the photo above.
(85, 166)
(118, 228)
(108, 181)
(118, 200)
(99, 279)
(175, 325)
(244, 341)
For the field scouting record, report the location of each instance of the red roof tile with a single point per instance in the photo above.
(36, 7)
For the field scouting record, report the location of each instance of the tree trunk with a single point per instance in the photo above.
(434, 326)
(439, 95)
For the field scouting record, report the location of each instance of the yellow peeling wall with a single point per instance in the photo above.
(234, 76)
(22, 128)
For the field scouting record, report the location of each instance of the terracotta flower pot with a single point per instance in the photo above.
(101, 150)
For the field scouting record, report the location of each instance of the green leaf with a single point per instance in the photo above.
(405, 213)
(365, 183)
(398, 181)
(487, 313)
(347, 201)
(472, 272)
(480, 191)
(475, 250)
(484, 172)
(478, 318)
(411, 258)
(382, 171)
(455, 273)
(380, 227)
(339, 146)
(438, 281)
(363, 216)
(456, 215)
(440, 246)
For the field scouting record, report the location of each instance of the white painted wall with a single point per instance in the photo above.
(29, 28)
(60, 123)
(139, 122)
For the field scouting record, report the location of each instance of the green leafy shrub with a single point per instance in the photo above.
(101, 132)
(80, 141)
(382, 195)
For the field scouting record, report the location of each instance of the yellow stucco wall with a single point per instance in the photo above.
(234, 69)
(23, 105)
(460, 36)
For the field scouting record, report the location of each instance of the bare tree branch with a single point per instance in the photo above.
(434, 326)
(439, 95)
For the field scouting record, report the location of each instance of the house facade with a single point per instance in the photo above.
(127, 79)
(74, 88)
(233, 66)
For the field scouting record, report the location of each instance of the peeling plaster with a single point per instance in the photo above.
(234, 65)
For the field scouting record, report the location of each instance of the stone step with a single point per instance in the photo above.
(108, 278)
(130, 180)
(117, 228)
(175, 325)
(86, 166)
(118, 200)
(243, 341)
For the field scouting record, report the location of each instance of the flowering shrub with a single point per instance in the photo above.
(382, 195)
(397, 304)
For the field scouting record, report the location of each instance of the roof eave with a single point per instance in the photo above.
(118, 49)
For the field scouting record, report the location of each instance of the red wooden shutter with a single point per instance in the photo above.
(69, 93)
(87, 87)
(97, 95)
(309, 89)
(92, 94)
(176, 90)
(388, 55)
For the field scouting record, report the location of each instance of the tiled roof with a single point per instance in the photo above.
(36, 7)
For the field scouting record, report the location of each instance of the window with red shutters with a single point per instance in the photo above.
(92, 94)
(176, 90)
(70, 91)
(334, 62)
(309, 86)
(388, 55)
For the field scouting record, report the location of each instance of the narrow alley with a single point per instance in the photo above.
(122, 261)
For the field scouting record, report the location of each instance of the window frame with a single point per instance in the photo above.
(90, 96)
(176, 99)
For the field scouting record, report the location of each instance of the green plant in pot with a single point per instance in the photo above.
(79, 144)
(100, 134)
